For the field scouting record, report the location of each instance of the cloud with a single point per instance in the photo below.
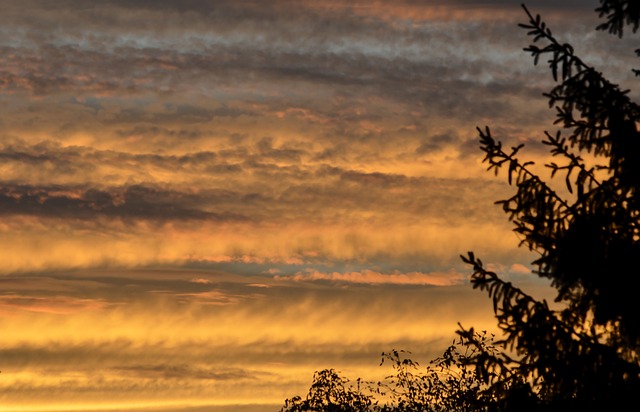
(41, 244)
(170, 169)
(136, 201)
(151, 346)
(183, 371)
(61, 305)
(201, 281)
(520, 269)
(374, 278)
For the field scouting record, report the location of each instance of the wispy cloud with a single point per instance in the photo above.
(375, 278)
(169, 170)
(63, 305)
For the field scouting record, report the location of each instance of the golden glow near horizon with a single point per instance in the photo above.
(205, 202)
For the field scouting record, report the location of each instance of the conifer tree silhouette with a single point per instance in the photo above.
(588, 242)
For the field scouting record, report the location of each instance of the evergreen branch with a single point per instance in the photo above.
(538, 212)
(585, 176)
(581, 89)
(536, 333)
(619, 13)
(497, 157)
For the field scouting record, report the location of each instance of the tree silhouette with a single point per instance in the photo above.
(588, 242)
(448, 383)
(331, 392)
(586, 233)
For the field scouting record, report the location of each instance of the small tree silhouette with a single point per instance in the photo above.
(331, 392)
(448, 383)
(585, 356)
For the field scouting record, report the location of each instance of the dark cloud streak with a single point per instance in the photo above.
(133, 202)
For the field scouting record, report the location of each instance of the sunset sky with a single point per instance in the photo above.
(204, 202)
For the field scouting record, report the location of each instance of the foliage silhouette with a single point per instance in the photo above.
(587, 237)
(448, 383)
(331, 392)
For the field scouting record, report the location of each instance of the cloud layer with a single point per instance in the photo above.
(203, 202)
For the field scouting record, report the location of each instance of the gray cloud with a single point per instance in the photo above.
(183, 371)
(136, 202)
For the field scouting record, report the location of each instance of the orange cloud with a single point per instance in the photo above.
(57, 305)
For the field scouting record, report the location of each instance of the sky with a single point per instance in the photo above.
(204, 202)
